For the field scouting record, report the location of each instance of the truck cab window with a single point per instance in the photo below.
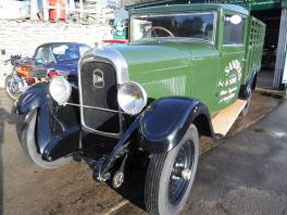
(233, 30)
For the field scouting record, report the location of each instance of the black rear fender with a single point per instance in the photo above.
(164, 123)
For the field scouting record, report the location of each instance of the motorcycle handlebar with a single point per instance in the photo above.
(13, 59)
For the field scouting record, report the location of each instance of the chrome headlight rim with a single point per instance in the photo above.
(60, 90)
(143, 97)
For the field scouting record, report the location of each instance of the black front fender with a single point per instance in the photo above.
(164, 123)
(32, 98)
(58, 127)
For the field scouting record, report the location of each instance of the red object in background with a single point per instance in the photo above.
(59, 13)
(53, 74)
(24, 70)
(116, 41)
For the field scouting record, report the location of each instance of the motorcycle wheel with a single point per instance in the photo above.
(26, 132)
(10, 87)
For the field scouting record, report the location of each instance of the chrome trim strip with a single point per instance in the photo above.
(110, 56)
(95, 108)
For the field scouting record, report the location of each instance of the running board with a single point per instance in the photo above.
(223, 120)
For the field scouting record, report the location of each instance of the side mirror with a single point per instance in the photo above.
(3, 52)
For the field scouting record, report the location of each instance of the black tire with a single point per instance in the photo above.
(254, 82)
(246, 108)
(26, 132)
(160, 198)
(12, 94)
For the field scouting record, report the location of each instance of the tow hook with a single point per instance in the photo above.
(119, 176)
(118, 179)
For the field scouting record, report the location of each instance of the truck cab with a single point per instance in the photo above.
(221, 46)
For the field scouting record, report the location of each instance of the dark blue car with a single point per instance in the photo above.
(50, 59)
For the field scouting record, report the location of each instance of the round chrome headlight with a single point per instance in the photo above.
(132, 97)
(60, 90)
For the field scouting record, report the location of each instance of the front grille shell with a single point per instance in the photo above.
(102, 116)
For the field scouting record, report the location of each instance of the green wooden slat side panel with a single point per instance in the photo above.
(255, 43)
(249, 4)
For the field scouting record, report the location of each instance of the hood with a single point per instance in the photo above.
(164, 67)
(162, 55)
(154, 56)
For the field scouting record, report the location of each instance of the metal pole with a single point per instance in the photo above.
(281, 50)
(81, 9)
(285, 92)
(67, 13)
(33, 9)
(45, 10)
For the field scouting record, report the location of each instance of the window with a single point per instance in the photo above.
(192, 25)
(233, 31)
(44, 56)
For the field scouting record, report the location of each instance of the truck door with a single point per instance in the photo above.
(232, 59)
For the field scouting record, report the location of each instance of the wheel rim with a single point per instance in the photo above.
(12, 87)
(181, 172)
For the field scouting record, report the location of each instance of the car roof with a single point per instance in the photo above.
(61, 43)
(189, 7)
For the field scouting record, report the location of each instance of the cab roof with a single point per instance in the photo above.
(189, 7)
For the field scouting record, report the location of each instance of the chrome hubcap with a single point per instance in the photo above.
(181, 173)
(186, 174)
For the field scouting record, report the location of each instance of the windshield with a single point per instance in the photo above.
(60, 53)
(191, 25)
(67, 52)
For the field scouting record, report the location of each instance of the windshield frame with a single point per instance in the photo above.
(212, 41)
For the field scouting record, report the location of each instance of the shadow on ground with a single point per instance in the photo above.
(5, 117)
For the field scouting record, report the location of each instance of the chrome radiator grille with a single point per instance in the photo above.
(98, 88)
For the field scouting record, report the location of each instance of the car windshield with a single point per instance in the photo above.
(60, 53)
(67, 52)
(191, 25)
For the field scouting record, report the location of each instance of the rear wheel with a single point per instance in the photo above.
(26, 133)
(170, 176)
(247, 106)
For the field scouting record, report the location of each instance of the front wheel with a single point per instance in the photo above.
(26, 131)
(170, 176)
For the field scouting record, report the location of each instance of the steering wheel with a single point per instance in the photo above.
(158, 28)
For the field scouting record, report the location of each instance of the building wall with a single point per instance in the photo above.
(24, 37)
(14, 9)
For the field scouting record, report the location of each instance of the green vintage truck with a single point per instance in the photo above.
(187, 72)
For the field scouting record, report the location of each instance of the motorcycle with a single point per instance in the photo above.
(23, 75)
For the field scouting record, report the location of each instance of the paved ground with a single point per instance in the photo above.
(244, 176)
(265, 79)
